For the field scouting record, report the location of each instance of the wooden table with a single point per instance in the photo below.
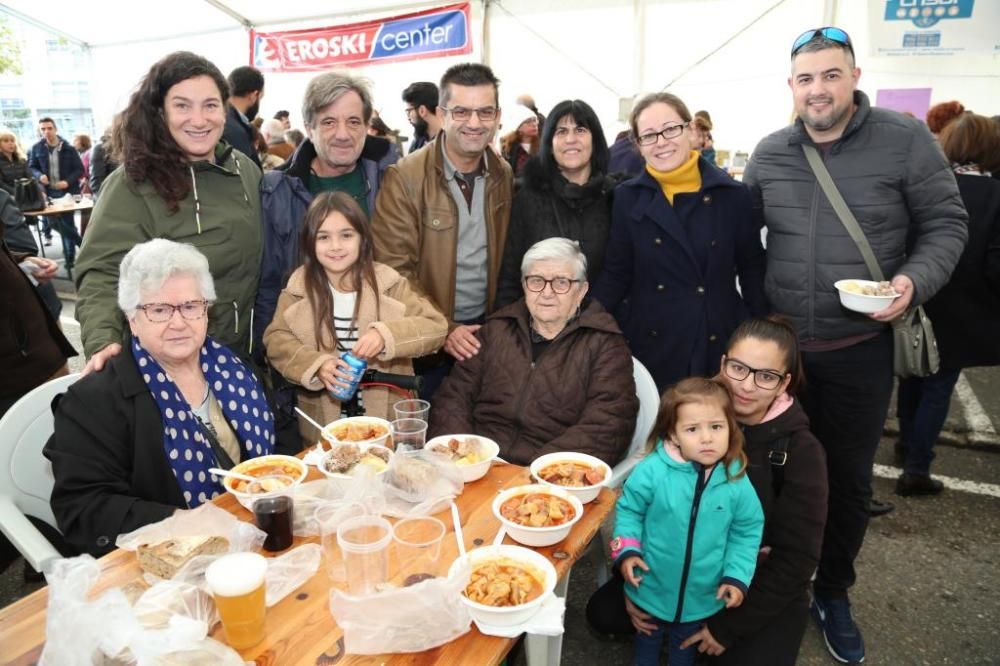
(300, 629)
(83, 204)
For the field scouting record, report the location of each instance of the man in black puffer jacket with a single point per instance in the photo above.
(899, 186)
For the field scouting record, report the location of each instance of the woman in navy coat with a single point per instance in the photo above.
(682, 231)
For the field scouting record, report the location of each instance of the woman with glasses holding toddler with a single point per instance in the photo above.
(682, 231)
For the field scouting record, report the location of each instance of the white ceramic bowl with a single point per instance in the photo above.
(860, 302)
(508, 615)
(264, 463)
(337, 475)
(538, 536)
(382, 440)
(477, 471)
(585, 493)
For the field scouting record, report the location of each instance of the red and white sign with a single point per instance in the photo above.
(432, 33)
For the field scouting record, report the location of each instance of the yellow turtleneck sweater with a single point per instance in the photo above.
(685, 178)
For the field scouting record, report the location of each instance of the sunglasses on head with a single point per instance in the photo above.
(829, 32)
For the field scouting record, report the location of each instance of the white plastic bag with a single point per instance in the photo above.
(409, 619)
(206, 521)
(289, 571)
(420, 483)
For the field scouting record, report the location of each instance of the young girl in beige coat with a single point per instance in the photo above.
(340, 300)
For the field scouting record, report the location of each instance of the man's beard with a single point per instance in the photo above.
(252, 110)
(420, 127)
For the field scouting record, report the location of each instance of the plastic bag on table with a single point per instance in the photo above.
(408, 619)
(289, 571)
(205, 521)
(364, 489)
(168, 626)
(420, 483)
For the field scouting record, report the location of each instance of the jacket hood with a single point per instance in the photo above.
(300, 163)
(799, 135)
(786, 424)
(223, 151)
(592, 315)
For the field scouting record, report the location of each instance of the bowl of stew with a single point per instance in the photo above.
(265, 467)
(507, 584)
(580, 474)
(536, 514)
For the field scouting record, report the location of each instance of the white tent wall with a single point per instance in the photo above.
(727, 56)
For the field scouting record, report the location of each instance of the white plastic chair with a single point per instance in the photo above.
(649, 405)
(25, 474)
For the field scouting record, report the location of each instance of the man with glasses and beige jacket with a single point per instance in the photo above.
(441, 215)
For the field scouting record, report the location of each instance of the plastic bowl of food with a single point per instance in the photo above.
(503, 564)
(581, 474)
(536, 514)
(264, 466)
(361, 430)
(472, 454)
(865, 296)
(345, 461)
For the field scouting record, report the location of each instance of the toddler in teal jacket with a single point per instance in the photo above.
(688, 523)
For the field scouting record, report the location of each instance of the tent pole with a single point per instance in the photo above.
(485, 37)
(829, 12)
(639, 45)
(231, 13)
(43, 26)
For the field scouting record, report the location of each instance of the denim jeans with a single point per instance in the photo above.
(922, 407)
(66, 226)
(647, 647)
(847, 398)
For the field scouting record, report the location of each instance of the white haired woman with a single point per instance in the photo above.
(134, 443)
(553, 373)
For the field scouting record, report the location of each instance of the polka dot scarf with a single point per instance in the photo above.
(242, 401)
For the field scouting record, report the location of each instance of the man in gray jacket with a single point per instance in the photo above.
(898, 184)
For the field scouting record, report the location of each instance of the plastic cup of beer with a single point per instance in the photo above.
(328, 517)
(364, 544)
(418, 547)
(412, 409)
(409, 434)
(237, 584)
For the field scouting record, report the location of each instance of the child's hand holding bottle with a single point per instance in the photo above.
(732, 594)
(335, 373)
(628, 567)
(369, 345)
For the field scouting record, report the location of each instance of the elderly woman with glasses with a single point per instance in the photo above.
(682, 231)
(134, 443)
(553, 373)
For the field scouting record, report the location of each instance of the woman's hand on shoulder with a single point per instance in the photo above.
(462, 342)
(369, 345)
(99, 359)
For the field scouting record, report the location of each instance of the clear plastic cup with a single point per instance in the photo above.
(364, 544)
(237, 584)
(418, 548)
(328, 518)
(409, 434)
(413, 409)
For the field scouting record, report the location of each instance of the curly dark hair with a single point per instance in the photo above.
(141, 140)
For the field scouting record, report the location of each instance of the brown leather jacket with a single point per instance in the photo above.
(408, 323)
(416, 223)
(578, 395)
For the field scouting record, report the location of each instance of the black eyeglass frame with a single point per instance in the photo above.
(726, 368)
(651, 138)
(548, 283)
(175, 308)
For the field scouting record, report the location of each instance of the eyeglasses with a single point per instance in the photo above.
(829, 32)
(668, 132)
(765, 379)
(410, 110)
(560, 285)
(159, 313)
(460, 113)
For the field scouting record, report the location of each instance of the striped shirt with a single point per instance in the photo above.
(343, 319)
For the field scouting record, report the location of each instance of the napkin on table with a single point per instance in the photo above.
(548, 621)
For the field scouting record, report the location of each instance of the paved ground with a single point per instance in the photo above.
(926, 576)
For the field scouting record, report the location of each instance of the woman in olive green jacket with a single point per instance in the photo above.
(180, 181)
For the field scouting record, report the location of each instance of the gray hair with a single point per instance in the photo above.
(556, 249)
(273, 131)
(148, 265)
(327, 88)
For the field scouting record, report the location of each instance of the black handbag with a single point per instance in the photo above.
(28, 194)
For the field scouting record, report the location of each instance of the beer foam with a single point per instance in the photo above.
(236, 574)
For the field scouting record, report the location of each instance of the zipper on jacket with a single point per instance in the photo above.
(699, 487)
(520, 401)
(197, 201)
(236, 309)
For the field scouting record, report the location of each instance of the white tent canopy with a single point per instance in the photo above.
(727, 56)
